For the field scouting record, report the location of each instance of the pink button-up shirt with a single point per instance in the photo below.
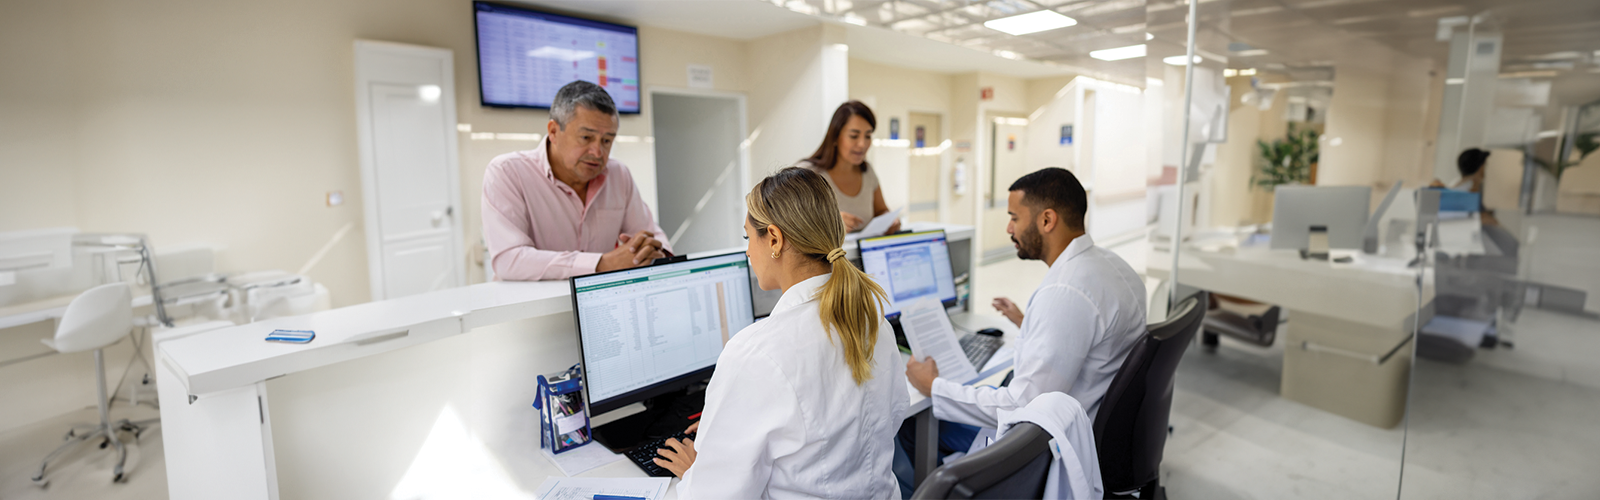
(537, 228)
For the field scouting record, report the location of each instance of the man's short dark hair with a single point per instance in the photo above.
(580, 93)
(1471, 161)
(1055, 188)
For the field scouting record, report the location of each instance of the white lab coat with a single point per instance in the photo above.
(784, 419)
(1078, 327)
(1075, 473)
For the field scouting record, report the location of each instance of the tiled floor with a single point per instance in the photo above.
(84, 472)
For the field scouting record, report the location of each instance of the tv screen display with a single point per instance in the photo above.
(525, 56)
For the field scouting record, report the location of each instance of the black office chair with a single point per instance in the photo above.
(1016, 466)
(1131, 427)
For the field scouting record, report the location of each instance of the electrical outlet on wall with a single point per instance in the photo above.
(335, 198)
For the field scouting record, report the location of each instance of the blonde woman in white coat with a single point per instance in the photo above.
(806, 403)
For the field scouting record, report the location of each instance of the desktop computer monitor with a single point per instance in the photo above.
(1340, 209)
(910, 267)
(650, 331)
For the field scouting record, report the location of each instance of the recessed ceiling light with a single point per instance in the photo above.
(1434, 11)
(1119, 53)
(1008, 54)
(1032, 22)
(1529, 74)
(1251, 53)
(1148, 36)
(1178, 60)
(1556, 56)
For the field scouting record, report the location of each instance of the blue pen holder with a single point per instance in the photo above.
(563, 422)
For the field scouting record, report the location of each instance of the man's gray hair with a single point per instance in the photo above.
(580, 93)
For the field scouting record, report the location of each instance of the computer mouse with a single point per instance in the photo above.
(992, 332)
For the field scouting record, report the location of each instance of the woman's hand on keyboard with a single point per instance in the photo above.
(678, 455)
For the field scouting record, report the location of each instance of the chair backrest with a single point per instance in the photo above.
(1131, 428)
(97, 318)
(1016, 466)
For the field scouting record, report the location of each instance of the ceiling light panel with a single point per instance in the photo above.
(1178, 60)
(1032, 22)
(1120, 53)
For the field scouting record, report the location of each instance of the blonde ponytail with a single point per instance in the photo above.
(800, 202)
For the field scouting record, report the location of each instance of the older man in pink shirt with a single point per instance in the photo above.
(566, 209)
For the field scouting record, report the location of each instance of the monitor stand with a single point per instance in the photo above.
(663, 416)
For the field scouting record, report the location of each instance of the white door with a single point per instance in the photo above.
(405, 110)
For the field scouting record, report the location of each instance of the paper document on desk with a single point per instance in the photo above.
(877, 226)
(929, 332)
(582, 459)
(585, 488)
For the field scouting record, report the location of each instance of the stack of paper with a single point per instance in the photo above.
(929, 332)
(585, 488)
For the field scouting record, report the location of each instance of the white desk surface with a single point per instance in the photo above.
(237, 356)
(1373, 290)
(47, 309)
(233, 357)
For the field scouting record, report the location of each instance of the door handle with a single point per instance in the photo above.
(439, 215)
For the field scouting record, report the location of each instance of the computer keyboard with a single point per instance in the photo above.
(645, 455)
(979, 348)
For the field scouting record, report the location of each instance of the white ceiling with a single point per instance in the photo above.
(738, 19)
(909, 51)
(947, 36)
(756, 19)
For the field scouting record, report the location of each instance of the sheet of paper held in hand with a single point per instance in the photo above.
(930, 334)
(585, 488)
(879, 225)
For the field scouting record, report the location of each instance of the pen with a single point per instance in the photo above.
(616, 497)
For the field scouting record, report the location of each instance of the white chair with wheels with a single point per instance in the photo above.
(98, 318)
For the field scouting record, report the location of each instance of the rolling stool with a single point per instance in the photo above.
(98, 318)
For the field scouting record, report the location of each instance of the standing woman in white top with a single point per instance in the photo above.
(842, 160)
(805, 403)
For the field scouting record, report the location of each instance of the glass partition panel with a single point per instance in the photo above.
(1505, 383)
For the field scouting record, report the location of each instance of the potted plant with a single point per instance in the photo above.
(1289, 160)
(1585, 144)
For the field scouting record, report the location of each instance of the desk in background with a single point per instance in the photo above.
(1348, 345)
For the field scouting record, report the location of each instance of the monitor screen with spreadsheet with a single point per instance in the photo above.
(649, 331)
(910, 267)
(525, 56)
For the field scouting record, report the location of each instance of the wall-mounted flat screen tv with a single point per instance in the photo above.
(525, 55)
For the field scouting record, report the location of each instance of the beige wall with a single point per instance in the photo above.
(1382, 118)
(1234, 200)
(895, 92)
(1040, 92)
(37, 130)
(225, 123)
(787, 68)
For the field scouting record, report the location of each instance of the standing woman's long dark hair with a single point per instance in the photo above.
(828, 152)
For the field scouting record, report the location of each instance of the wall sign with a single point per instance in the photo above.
(1066, 135)
(986, 93)
(894, 129)
(921, 134)
(699, 76)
